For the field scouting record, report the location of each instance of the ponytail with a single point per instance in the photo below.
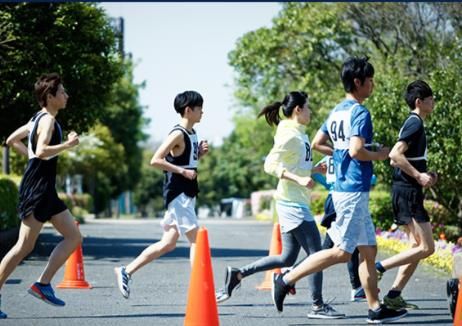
(271, 113)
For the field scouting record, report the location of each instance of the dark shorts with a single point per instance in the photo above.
(408, 204)
(329, 212)
(48, 206)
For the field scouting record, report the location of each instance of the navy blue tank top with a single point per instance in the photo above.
(40, 176)
(174, 183)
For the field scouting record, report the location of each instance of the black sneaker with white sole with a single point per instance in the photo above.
(231, 280)
(385, 315)
(279, 290)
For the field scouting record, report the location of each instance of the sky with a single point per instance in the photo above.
(185, 46)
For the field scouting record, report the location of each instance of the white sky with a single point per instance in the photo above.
(184, 46)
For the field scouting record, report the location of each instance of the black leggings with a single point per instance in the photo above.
(305, 236)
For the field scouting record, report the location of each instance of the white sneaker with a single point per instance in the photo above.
(221, 296)
(122, 281)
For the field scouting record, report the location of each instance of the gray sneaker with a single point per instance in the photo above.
(324, 311)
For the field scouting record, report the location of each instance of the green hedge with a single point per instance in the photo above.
(79, 204)
(8, 203)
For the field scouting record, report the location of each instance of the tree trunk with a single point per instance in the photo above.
(459, 215)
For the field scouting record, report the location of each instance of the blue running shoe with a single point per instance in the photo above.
(45, 293)
(2, 314)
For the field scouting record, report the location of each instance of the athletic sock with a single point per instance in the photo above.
(393, 294)
(379, 267)
(284, 280)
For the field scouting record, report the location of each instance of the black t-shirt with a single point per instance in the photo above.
(413, 134)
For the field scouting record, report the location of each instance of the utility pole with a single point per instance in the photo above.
(6, 159)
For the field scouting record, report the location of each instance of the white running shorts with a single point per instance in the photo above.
(181, 213)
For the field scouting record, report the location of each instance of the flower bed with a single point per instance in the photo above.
(397, 241)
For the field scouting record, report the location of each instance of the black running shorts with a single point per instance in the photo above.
(407, 204)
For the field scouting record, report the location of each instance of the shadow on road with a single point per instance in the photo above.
(103, 248)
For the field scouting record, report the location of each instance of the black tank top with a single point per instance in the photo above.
(176, 184)
(40, 176)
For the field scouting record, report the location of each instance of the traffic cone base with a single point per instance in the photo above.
(275, 250)
(69, 284)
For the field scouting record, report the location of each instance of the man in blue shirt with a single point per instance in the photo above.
(349, 127)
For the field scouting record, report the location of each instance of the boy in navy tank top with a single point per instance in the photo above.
(178, 157)
(38, 200)
(410, 176)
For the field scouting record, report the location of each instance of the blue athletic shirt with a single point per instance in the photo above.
(348, 119)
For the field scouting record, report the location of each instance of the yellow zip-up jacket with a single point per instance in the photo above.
(291, 152)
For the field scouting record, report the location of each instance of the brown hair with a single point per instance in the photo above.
(46, 84)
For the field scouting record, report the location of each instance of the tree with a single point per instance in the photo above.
(304, 49)
(124, 117)
(101, 161)
(417, 41)
(148, 191)
(73, 39)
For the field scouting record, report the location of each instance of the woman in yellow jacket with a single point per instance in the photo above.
(290, 160)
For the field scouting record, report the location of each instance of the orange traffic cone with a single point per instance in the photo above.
(202, 305)
(74, 276)
(458, 312)
(275, 250)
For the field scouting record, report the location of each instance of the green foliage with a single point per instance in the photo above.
(304, 49)
(73, 39)
(8, 203)
(79, 204)
(381, 209)
(232, 170)
(101, 161)
(318, 197)
(124, 117)
(148, 192)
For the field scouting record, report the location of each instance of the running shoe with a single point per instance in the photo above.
(358, 295)
(398, 303)
(324, 311)
(46, 294)
(122, 281)
(279, 290)
(384, 315)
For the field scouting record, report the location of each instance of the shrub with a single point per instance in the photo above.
(318, 197)
(78, 204)
(381, 209)
(8, 204)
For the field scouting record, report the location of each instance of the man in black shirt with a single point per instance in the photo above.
(409, 158)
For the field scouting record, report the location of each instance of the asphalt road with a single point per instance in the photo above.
(159, 290)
